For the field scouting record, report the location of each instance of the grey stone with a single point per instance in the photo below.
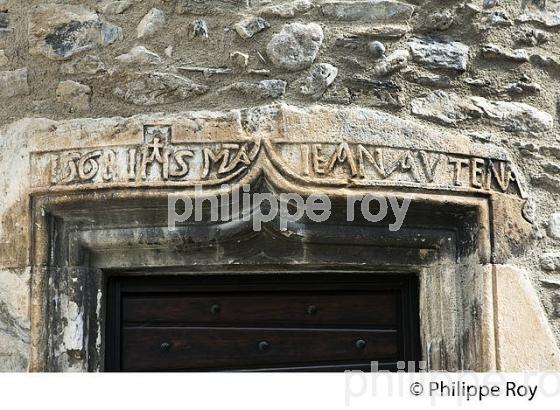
(439, 53)
(287, 10)
(495, 52)
(514, 116)
(550, 261)
(440, 20)
(554, 225)
(376, 49)
(74, 96)
(370, 11)
(151, 23)
(296, 46)
(320, 77)
(205, 7)
(61, 31)
(88, 64)
(432, 80)
(499, 18)
(4, 20)
(250, 26)
(199, 29)
(551, 168)
(546, 12)
(531, 36)
(157, 88)
(394, 62)
(488, 4)
(114, 7)
(445, 108)
(523, 87)
(264, 89)
(139, 55)
(476, 82)
(13, 83)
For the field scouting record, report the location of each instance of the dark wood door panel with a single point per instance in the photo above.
(279, 308)
(300, 322)
(155, 348)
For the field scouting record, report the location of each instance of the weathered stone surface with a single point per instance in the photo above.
(151, 23)
(554, 225)
(296, 46)
(200, 7)
(264, 89)
(499, 18)
(59, 32)
(545, 60)
(377, 93)
(199, 29)
(88, 64)
(523, 87)
(550, 262)
(513, 289)
(514, 116)
(250, 26)
(3, 58)
(4, 21)
(139, 55)
(157, 88)
(320, 77)
(239, 59)
(445, 108)
(74, 96)
(14, 320)
(451, 109)
(431, 80)
(439, 53)
(531, 36)
(114, 7)
(372, 11)
(394, 62)
(546, 182)
(492, 51)
(288, 9)
(546, 12)
(376, 49)
(13, 83)
(440, 20)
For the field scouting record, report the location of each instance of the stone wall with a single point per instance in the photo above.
(488, 68)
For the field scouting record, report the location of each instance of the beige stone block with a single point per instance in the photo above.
(525, 340)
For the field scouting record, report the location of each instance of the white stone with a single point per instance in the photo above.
(445, 108)
(264, 89)
(296, 46)
(395, 61)
(13, 83)
(320, 77)
(157, 88)
(439, 53)
(371, 11)
(151, 23)
(514, 116)
(114, 7)
(451, 109)
(554, 225)
(75, 96)
(545, 12)
(493, 51)
(250, 26)
(88, 64)
(287, 10)
(139, 55)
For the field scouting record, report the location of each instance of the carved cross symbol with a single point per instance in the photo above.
(156, 147)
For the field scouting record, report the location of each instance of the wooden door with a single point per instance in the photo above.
(288, 322)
